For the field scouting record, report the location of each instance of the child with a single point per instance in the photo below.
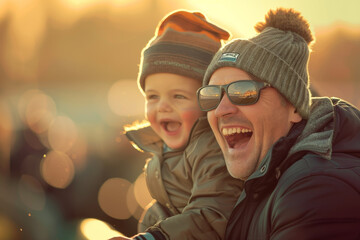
(187, 176)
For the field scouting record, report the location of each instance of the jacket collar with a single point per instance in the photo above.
(318, 133)
(312, 135)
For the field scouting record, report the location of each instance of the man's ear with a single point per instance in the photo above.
(295, 116)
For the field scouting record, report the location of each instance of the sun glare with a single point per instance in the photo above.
(81, 4)
(94, 229)
(239, 17)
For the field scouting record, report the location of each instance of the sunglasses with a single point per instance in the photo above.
(242, 92)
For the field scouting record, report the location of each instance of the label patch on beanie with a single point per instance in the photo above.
(228, 57)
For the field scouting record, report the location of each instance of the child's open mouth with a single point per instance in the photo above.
(170, 126)
(236, 136)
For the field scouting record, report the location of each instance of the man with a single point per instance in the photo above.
(299, 156)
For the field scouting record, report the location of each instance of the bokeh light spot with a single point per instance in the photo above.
(112, 198)
(62, 134)
(94, 229)
(37, 110)
(125, 99)
(31, 192)
(40, 112)
(134, 207)
(57, 169)
(78, 153)
(141, 191)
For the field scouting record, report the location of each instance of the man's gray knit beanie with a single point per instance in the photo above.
(279, 55)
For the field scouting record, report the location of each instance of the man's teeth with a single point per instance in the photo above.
(230, 131)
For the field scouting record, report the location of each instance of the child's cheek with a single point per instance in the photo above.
(192, 115)
(150, 115)
(151, 119)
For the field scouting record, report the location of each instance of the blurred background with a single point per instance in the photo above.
(68, 73)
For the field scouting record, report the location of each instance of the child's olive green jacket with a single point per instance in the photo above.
(193, 190)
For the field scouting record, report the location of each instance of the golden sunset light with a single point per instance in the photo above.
(69, 93)
(240, 16)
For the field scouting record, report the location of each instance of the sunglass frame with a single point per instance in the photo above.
(224, 88)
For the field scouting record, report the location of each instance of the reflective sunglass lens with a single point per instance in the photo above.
(209, 97)
(243, 93)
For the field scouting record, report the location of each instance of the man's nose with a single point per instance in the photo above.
(225, 107)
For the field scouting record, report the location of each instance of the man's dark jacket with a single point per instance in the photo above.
(308, 185)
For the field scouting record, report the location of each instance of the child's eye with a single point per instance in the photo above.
(179, 96)
(152, 96)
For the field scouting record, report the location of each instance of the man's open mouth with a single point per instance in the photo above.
(170, 126)
(236, 136)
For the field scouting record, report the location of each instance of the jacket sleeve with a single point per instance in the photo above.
(153, 213)
(317, 207)
(213, 195)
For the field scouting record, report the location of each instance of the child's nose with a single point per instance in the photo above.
(164, 106)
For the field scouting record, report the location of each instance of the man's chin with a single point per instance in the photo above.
(237, 164)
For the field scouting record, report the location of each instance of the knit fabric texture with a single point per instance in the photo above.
(184, 44)
(277, 56)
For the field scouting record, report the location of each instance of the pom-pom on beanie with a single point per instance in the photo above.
(278, 55)
(184, 44)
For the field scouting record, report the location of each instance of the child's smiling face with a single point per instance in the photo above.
(171, 107)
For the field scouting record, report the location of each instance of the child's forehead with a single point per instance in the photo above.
(170, 82)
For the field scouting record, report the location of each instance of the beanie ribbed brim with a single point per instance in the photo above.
(174, 58)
